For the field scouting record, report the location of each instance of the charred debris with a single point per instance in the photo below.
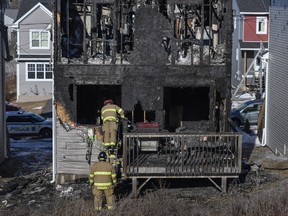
(165, 61)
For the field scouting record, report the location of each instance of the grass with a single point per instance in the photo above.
(272, 202)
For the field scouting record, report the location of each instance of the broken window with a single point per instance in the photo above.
(196, 31)
(140, 115)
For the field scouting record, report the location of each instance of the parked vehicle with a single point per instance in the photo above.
(248, 110)
(12, 107)
(23, 123)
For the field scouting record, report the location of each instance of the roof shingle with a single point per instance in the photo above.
(254, 5)
(26, 5)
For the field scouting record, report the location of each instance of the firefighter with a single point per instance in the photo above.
(109, 113)
(102, 180)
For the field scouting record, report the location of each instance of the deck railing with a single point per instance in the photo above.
(182, 155)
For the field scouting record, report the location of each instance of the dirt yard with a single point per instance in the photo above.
(26, 187)
(35, 106)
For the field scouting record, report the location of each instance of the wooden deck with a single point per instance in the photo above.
(172, 155)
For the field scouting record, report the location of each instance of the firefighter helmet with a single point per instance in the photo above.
(102, 156)
(108, 101)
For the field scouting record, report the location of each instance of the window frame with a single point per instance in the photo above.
(258, 20)
(39, 32)
(35, 71)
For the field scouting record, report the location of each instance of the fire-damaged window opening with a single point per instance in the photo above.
(187, 104)
(196, 31)
(140, 115)
(90, 100)
(104, 33)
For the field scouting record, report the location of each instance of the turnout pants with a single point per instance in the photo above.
(98, 197)
(110, 132)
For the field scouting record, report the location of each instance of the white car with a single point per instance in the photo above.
(23, 123)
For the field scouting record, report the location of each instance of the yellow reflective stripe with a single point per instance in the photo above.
(109, 118)
(113, 175)
(103, 184)
(91, 175)
(109, 207)
(109, 110)
(109, 144)
(120, 110)
(114, 181)
(102, 173)
(91, 181)
(102, 188)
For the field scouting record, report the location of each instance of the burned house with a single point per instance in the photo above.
(165, 62)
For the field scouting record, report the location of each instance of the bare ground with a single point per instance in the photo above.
(26, 189)
(35, 106)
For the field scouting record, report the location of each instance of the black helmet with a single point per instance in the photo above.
(102, 156)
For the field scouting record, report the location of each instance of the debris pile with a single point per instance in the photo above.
(33, 189)
(37, 190)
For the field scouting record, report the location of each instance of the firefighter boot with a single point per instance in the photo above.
(112, 155)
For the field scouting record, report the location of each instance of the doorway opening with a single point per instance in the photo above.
(187, 104)
(90, 100)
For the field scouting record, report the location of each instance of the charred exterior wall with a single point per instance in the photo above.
(144, 46)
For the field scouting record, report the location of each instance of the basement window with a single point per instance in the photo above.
(90, 100)
(187, 104)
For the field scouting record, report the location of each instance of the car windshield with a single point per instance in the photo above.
(38, 118)
(241, 106)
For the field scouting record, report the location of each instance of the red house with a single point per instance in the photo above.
(251, 29)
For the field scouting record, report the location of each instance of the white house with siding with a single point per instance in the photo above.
(34, 46)
(276, 119)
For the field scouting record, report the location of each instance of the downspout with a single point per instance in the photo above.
(54, 165)
(2, 89)
(264, 136)
(53, 57)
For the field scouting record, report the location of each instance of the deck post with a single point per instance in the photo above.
(134, 187)
(224, 184)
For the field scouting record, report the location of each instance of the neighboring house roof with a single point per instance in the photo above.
(20, 18)
(253, 6)
(11, 13)
(26, 5)
(252, 45)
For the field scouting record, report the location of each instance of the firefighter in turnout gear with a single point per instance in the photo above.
(109, 115)
(102, 180)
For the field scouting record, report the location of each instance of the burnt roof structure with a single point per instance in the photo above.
(150, 53)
